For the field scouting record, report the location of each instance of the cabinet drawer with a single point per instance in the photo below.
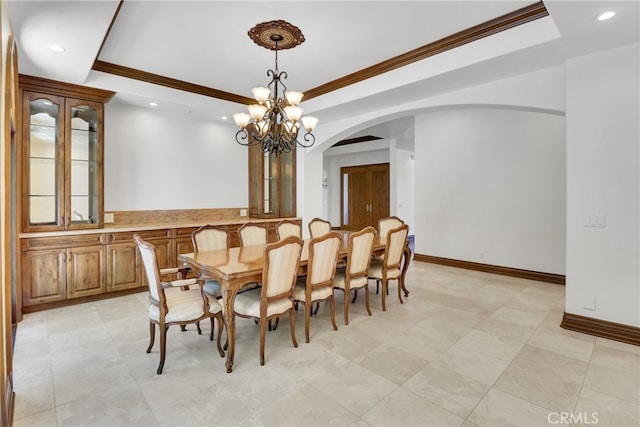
(185, 232)
(127, 236)
(37, 243)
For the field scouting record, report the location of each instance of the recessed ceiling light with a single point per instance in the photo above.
(153, 104)
(605, 15)
(56, 48)
(224, 118)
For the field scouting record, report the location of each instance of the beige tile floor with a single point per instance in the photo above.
(465, 349)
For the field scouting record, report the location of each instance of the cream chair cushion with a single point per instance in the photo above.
(356, 282)
(375, 271)
(248, 304)
(183, 306)
(299, 293)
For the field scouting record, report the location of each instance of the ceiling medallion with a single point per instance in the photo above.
(276, 35)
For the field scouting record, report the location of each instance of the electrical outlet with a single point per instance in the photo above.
(243, 212)
(599, 221)
(108, 217)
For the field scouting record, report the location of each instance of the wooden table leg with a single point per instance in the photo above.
(230, 320)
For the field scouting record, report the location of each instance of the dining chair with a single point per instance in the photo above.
(390, 267)
(319, 227)
(384, 225)
(354, 274)
(274, 297)
(253, 234)
(318, 283)
(210, 238)
(387, 224)
(288, 228)
(170, 306)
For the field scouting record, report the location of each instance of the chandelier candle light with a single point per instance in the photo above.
(274, 122)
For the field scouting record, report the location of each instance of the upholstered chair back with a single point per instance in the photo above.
(319, 227)
(359, 253)
(150, 263)
(252, 234)
(323, 257)
(281, 266)
(288, 228)
(387, 224)
(209, 238)
(396, 240)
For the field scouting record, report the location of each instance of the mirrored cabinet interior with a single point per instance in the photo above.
(62, 152)
(272, 184)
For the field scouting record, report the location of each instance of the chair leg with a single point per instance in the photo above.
(332, 311)
(198, 326)
(275, 324)
(308, 307)
(384, 294)
(163, 348)
(400, 286)
(212, 327)
(366, 298)
(355, 296)
(263, 335)
(377, 286)
(346, 306)
(292, 325)
(317, 308)
(152, 336)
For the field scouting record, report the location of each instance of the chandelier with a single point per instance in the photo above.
(275, 120)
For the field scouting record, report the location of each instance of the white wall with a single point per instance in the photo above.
(490, 187)
(405, 187)
(156, 160)
(603, 179)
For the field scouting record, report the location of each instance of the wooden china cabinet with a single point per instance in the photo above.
(62, 153)
(272, 184)
(61, 189)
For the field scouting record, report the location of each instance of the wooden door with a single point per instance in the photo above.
(379, 203)
(358, 199)
(365, 195)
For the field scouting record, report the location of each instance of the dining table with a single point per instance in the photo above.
(237, 267)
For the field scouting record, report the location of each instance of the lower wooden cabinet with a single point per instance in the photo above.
(85, 271)
(56, 269)
(124, 266)
(44, 276)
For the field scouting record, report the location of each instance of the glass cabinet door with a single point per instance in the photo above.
(62, 168)
(270, 190)
(44, 151)
(287, 184)
(83, 150)
(272, 183)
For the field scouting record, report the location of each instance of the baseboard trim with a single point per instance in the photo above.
(601, 328)
(558, 279)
